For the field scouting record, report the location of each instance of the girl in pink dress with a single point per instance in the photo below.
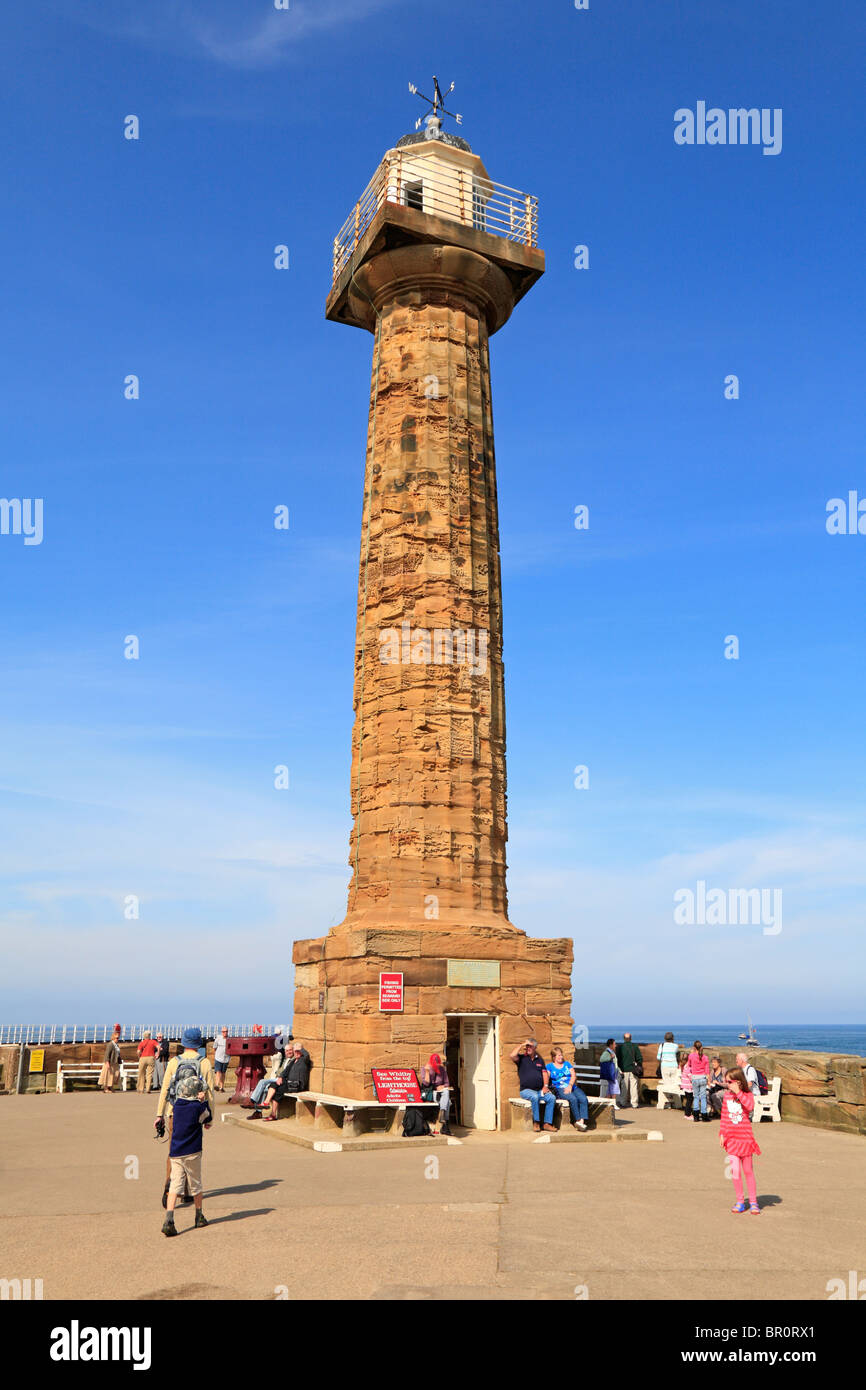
(737, 1139)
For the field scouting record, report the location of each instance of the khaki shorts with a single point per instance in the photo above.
(188, 1166)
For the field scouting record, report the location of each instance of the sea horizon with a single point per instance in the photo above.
(841, 1038)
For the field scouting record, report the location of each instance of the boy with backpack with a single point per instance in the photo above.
(188, 1064)
(191, 1113)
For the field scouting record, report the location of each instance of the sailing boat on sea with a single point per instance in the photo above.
(750, 1038)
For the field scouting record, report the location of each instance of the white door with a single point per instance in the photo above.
(478, 1073)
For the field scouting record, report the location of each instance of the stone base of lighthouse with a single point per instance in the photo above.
(523, 990)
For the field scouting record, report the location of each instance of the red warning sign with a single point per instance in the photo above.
(391, 992)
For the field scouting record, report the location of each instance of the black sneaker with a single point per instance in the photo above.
(165, 1196)
(200, 1219)
(168, 1226)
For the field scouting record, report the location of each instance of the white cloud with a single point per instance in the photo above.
(257, 37)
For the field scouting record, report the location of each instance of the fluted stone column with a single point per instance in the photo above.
(428, 749)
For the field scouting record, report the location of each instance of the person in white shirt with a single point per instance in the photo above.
(751, 1073)
(221, 1058)
(667, 1059)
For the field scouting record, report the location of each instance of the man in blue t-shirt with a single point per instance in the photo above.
(534, 1082)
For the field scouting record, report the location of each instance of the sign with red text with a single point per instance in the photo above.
(390, 992)
(396, 1085)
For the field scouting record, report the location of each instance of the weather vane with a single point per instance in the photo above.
(436, 105)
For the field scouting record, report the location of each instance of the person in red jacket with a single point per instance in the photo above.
(147, 1050)
(737, 1139)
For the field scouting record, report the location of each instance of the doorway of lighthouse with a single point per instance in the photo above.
(476, 1039)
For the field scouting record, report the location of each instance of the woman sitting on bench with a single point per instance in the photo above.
(563, 1083)
(434, 1079)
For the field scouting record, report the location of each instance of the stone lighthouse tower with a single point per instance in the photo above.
(431, 261)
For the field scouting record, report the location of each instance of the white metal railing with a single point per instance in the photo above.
(48, 1034)
(449, 191)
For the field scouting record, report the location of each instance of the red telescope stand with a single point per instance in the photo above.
(251, 1053)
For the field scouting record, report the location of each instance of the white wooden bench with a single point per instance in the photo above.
(89, 1071)
(769, 1104)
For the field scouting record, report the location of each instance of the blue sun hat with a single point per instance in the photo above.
(191, 1040)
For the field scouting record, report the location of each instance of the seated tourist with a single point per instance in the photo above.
(257, 1095)
(534, 1082)
(717, 1085)
(294, 1078)
(563, 1082)
(434, 1078)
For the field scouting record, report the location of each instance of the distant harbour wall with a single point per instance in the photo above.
(825, 1089)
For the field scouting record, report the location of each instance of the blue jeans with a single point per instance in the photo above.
(535, 1098)
(258, 1094)
(577, 1102)
(699, 1091)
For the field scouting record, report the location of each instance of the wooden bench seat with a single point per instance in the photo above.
(350, 1117)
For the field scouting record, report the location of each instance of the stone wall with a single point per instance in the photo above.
(818, 1088)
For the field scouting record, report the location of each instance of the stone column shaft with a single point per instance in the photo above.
(428, 748)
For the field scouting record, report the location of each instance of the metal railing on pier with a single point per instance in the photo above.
(51, 1034)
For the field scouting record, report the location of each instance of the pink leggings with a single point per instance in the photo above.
(740, 1166)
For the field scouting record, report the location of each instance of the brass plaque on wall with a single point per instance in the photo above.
(477, 974)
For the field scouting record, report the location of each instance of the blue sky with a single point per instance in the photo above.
(707, 516)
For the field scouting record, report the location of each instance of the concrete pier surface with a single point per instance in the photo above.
(488, 1219)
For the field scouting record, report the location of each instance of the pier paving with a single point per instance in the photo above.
(606, 1221)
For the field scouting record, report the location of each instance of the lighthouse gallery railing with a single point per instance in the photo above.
(451, 192)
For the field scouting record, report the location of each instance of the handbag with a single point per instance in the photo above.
(427, 1093)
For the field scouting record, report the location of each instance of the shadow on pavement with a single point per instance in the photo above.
(244, 1187)
(229, 1216)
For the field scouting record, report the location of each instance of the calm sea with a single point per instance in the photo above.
(802, 1037)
